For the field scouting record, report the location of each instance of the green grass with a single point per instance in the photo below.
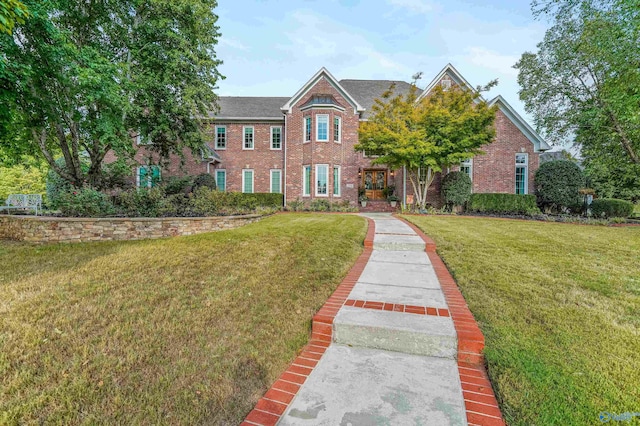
(188, 330)
(560, 309)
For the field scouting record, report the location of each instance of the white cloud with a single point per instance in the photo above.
(416, 6)
(492, 60)
(232, 43)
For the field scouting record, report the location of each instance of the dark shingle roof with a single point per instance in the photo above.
(250, 107)
(367, 91)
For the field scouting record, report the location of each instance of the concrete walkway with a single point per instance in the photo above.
(393, 358)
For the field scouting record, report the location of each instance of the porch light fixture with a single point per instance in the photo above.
(359, 172)
(393, 174)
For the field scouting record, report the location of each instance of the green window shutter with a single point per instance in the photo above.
(221, 180)
(307, 180)
(275, 181)
(248, 182)
(155, 176)
(142, 177)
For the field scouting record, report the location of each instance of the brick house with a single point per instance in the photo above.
(303, 146)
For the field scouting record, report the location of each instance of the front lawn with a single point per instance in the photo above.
(560, 309)
(188, 330)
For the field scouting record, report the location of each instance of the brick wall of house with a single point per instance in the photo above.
(300, 153)
(262, 159)
(494, 171)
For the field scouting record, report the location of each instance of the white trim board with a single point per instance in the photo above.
(322, 73)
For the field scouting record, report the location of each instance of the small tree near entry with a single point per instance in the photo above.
(429, 134)
(558, 184)
(456, 189)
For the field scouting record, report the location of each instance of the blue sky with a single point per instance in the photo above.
(272, 47)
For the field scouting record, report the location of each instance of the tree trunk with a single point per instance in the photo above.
(421, 180)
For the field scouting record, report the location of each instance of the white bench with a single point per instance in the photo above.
(23, 202)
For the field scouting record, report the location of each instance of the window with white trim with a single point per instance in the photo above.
(276, 137)
(322, 128)
(221, 179)
(307, 128)
(322, 180)
(142, 138)
(247, 181)
(522, 165)
(248, 137)
(466, 166)
(147, 176)
(275, 181)
(337, 129)
(306, 181)
(336, 181)
(221, 137)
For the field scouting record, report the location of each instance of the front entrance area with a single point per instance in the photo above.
(374, 182)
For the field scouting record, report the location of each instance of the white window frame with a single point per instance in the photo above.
(524, 165)
(224, 171)
(225, 138)
(468, 163)
(279, 181)
(318, 127)
(140, 140)
(333, 190)
(271, 133)
(318, 166)
(339, 119)
(446, 84)
(306, 137)
(253, 189)
(304, 186)
(253, 138)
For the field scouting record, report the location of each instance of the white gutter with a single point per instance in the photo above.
(284, 151)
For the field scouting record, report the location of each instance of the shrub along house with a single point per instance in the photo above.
(303, 146)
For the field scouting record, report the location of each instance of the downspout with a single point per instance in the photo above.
(404, 187)
(284, 151)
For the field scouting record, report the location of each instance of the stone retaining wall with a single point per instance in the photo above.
(42, 229)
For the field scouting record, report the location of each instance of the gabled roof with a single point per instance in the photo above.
(322, 73)
(249, 107)
(367, 91)
(538, 143)
(452, 72)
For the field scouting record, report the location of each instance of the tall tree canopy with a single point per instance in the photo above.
(427, 135)
(79, 76)
(12, 12)
(583, 83)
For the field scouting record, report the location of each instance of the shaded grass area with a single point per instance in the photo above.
(188, 330)
(559, 306)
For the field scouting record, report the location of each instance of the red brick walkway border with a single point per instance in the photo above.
(479, 399)
(275, 401)
(397, 307)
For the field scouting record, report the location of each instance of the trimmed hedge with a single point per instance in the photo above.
(503, 204)
(611, 207)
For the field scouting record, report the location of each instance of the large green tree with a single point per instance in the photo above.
(427, 135)
(80, 78)
(12, 12)
(583, 83)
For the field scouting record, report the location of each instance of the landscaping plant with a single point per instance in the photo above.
(558, 185)
(456, 189)
(610, 208)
